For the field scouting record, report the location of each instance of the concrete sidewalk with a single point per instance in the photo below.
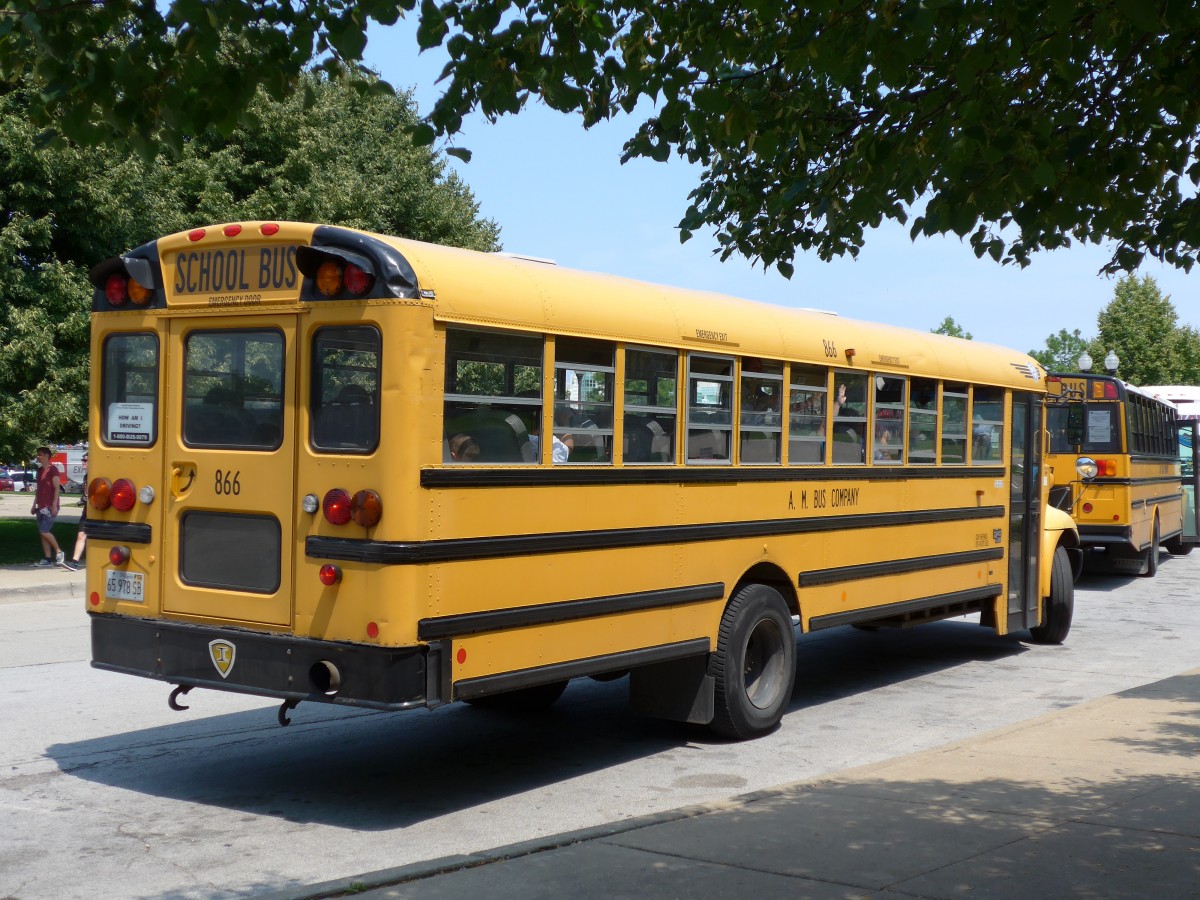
(1100, 800)
(19, 584)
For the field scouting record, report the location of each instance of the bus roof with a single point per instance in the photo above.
(539, 296)
(525, 293)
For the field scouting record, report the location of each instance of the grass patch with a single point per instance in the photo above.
(19, 541)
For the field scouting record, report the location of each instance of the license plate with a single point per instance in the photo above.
(124, 585)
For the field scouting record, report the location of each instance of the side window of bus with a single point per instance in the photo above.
(806, 415)
(584, 374)
(954, 424)
(849, 406)
(922, 422)
(887, 448)
(761, 434)
(987, 426)
(651, 395)
(493, 397)
(710, 408)
(233, 389)
(129, 385)
(344, 398)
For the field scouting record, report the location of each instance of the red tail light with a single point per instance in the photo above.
(330, 574)
(1106, 467)
(100, 493)
(366, 509)
(118, 555)
(336, 507)
(124, 495)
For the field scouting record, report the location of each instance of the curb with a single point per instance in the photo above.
(72, 586)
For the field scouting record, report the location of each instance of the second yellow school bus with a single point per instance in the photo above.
(1114, 450)
(355, 469)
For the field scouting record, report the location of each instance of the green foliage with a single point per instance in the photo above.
(952, 328)
(1062, 351)
(1020, 125)
(343, 158)
(1139, 325)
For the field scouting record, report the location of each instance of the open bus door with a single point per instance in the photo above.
(1190, 476)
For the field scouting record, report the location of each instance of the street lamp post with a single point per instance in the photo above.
(1085, 362)
(1111, 361)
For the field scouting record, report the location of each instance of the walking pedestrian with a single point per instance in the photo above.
(45, 508)
(72, 564)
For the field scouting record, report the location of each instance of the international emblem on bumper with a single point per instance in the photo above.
(222, 654)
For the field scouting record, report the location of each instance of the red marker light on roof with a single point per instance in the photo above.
(233, 230)
(269, 228)
(196, 235)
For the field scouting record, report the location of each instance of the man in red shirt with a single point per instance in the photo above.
(45, 507)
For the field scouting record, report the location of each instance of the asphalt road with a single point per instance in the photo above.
(106, 792)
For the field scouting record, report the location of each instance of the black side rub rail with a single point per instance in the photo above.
(458, 549)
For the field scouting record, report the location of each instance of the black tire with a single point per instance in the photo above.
(1150, 561)
(530, 699)
(1176, 547)
(754, 666)
(1059, 607)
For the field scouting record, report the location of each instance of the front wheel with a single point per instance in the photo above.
(754, 665)
(1058, 608)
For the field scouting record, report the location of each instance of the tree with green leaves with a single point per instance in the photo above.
(1062, 351)
(952, 328)
(1022, 125)
(1140, 325)
(343, 157)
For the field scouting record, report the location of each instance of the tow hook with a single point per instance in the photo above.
(287, 706)
(173, 700)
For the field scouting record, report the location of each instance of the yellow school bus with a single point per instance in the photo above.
(342, 467)
(1114, 450)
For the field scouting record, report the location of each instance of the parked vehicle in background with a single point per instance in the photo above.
(23, 480)
(6, 483)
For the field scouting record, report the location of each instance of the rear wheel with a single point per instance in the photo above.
(1058, 608)
(1176, 547)
(754, 665)
(1150, 561)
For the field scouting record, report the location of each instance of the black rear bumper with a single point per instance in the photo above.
(270, 665)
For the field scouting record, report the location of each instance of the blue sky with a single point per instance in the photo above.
(560, 192)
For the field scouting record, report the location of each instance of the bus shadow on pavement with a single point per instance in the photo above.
(378, 771)
(842, 662)
(371, 770)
